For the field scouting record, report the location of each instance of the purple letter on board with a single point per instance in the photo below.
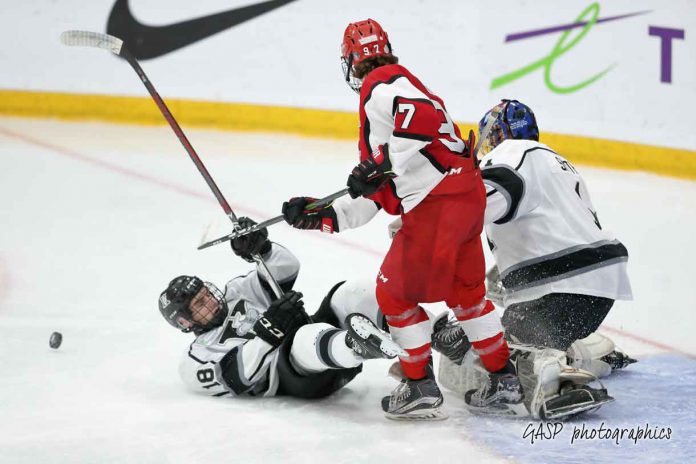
(666, 35)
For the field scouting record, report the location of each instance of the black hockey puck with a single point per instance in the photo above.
(55, 340)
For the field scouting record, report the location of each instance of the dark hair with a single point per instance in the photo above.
(363, 68)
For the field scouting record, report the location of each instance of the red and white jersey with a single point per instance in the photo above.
(423, 142)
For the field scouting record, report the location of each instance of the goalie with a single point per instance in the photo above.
(560, 271)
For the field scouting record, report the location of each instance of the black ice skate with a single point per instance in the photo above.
(415, 400)
(449, 339)
(574, 400)
(368, 341)
(618, 360)
(501, 395)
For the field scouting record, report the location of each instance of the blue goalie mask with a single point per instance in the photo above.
(511, 120)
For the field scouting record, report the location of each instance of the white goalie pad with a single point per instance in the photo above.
(544, 374)
(587, 353)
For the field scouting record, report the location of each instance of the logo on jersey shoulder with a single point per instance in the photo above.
(454, 171)
(382, 277)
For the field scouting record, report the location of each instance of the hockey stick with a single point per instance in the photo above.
(270, 222)
(490, 120)
(116, 46)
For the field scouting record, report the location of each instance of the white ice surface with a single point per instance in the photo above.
(94, 221)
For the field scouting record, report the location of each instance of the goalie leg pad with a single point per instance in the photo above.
(549, 384)
(587, 354)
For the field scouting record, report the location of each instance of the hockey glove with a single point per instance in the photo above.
(255, 242)
(320, 218)
(371, 175)
(282, 319)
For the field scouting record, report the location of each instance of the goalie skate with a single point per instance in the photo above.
(368, 341)
(618, 360)
(574, 400)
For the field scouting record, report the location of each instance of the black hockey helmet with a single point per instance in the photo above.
(175, 305)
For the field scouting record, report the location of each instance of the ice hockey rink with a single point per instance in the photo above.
(97, 218)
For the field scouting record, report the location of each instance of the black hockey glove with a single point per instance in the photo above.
(255, 242)
(371, 175)
(282, 319)
(320, 218)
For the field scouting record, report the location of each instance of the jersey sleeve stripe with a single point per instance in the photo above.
(433, 161)
(399, 99)
(412, 136)
(323, 347)
(366, 134)
(509, 184)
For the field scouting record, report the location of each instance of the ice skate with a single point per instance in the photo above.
(415, 400)
(500, 395)
(618, 360)
(368, 341)
(573, 400)
(449, 339)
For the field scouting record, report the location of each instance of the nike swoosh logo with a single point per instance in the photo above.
(146, 42)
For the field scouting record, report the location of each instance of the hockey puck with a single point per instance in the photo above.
(55, 340)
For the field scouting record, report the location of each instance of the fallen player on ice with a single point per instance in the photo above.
(250, 343)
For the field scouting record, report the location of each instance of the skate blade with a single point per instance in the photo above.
(364, 328)
(500, 410)
(436, 414)
(569, 412)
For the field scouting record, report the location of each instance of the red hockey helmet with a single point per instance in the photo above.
(362, 40)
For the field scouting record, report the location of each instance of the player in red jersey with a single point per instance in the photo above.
(414, 163)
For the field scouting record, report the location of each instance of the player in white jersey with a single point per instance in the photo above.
(561, 271)
(250, 343)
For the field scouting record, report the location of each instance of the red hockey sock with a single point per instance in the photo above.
(485, 332)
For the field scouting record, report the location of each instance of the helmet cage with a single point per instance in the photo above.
(175, 301)
(349, 74)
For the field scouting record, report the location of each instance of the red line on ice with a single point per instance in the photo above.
(206, 196)
(173, 187)
(647, 341)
